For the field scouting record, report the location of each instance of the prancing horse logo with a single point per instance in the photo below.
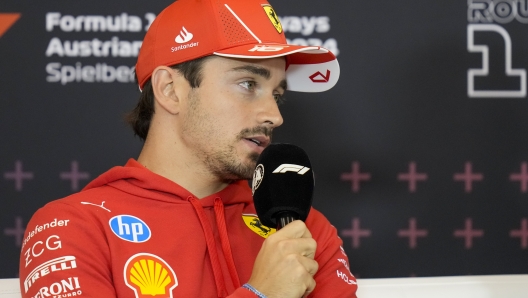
(257, 224)
(254, 224)
(272, 15)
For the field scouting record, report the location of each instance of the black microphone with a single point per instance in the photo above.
(283, 184)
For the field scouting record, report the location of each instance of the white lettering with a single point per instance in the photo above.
(330, 44)
(27, 257)
(283, 168)
(323, 25)
(44, 292)
(51, 224)
(340, 274)
(33, 249)
(305, 25)
(95, 23)
(95, 47)
(57, 243)
(344, 262)
(267, 48)
(308, 25)
(484, 71)
(137, 229)
(65, 288)
(52, 20)
(47, 267)
(36, 252)
(345, 278)
(67, 23)
(500, 11)
(184, 46)
(122, 225)
(55, 47)
(101, 72)
(55, 288)
(68, 285)
(291, 24)
(150, 17)
(45, 272)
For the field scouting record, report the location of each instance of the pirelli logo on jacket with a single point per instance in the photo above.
(49, 267)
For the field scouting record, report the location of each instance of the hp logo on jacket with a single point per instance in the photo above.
(130, 228)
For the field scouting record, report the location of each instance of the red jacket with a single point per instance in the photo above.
(133, 233)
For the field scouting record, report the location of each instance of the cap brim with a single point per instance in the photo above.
(309, 68)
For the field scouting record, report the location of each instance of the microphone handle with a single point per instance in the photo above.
(285, 217)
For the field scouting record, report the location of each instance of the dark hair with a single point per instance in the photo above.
(139, 118)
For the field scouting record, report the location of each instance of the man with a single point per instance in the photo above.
(179, 221)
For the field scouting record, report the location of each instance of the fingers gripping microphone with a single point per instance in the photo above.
(283, 184)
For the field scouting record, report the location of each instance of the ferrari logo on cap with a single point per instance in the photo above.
(274, 18)
(253, 223)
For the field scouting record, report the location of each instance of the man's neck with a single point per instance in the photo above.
(180, 167)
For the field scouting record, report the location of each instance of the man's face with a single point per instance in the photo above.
(228, 120)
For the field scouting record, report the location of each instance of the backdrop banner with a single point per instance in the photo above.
(420, 151)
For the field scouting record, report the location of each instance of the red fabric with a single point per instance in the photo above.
(226, 246)
(88, 258)
(222, 30)
(211, 247)
(211, 27)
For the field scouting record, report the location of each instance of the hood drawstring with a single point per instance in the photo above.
(211, 246)
(226, 247)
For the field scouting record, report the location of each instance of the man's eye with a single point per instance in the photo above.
(279, 98)
(249, 85)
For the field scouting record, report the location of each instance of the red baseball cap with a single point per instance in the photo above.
(190, 29)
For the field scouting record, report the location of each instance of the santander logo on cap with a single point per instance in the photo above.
(184, 36)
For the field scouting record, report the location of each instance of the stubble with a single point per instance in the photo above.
(217, 151)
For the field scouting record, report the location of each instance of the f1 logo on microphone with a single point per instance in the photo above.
(283, 168)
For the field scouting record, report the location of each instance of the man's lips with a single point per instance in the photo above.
(261, 141)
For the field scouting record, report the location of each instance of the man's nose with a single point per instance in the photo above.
(270, 113)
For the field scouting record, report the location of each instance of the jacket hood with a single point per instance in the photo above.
(137, 180)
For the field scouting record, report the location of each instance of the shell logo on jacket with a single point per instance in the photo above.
(149, 276)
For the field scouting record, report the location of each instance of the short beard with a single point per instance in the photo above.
(224, 164)
(229, 169)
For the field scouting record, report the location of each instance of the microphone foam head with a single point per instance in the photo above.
(283, 181)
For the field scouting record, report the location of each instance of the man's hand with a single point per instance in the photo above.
(285, 264)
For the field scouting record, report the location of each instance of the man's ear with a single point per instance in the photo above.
(168, 87)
